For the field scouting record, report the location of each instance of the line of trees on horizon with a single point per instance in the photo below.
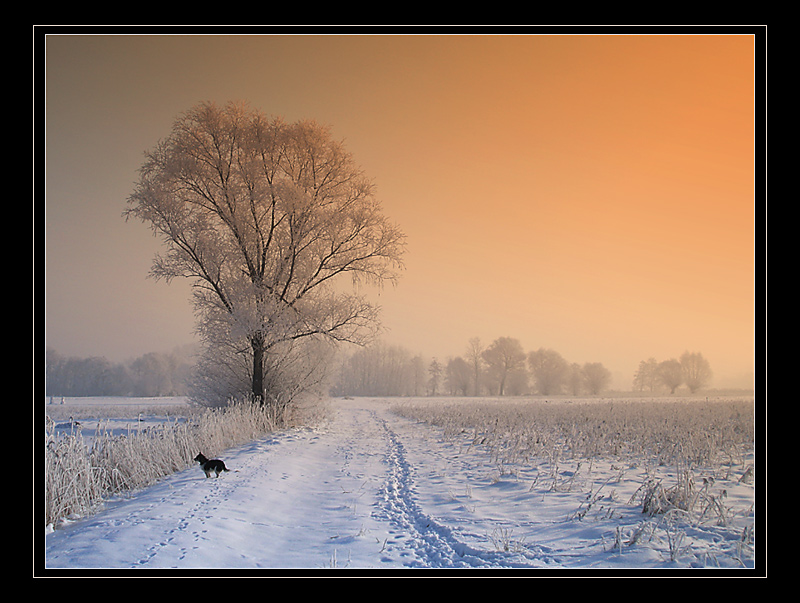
(377, 370)
(153, 374)
(381, 369)
(691, 370)
(501, 368)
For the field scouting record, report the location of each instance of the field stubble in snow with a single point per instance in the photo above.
(386, 486)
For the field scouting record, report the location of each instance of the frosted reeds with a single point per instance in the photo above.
(81, 472)
(677, 457)
(671, 432)
(685, 434)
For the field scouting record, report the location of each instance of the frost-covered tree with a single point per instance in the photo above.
(435, 372)
(458, 376)
(671, 374)
(596, 377)
(549, 370)
(265, 218)
(574, 379)
(474, 357)
(647, 376)
(696, 370)
(505, 358)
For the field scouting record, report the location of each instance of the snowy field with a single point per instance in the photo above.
(115, 416)
(369, 490)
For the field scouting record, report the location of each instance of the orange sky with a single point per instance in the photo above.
(592, 194)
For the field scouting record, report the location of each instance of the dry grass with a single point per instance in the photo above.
(685, 434)
(687, 431)
(675, 459)
(83, 471)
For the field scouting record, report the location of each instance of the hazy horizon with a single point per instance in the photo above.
(590, 194)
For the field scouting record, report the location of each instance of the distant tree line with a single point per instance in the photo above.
(501, 368)
(381, 370)
(692, 370)
(149, 375)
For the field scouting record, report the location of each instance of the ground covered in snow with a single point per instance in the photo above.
(369, 490)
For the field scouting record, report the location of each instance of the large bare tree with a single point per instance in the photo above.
(265, 218)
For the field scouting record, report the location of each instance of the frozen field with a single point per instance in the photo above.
(119, 413)
(372, 490)
(115, 416)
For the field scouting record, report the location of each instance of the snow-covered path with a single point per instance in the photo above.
(369, 489)
(339, 496)
(302, 498)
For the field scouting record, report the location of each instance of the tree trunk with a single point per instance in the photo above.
(257, 343)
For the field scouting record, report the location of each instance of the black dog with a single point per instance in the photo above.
(211, 466)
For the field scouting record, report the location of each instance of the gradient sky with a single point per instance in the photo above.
(590, 194)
